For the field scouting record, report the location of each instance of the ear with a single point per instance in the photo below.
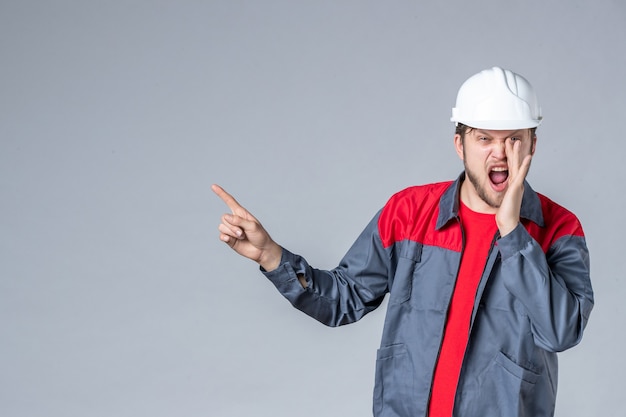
(534, 145)
(458, 145)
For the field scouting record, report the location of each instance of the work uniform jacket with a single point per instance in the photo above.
(533, 300)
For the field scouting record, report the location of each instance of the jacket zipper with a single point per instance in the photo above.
(471, 324)
(493, 242)
(445, 323)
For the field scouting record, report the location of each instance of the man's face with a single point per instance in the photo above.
(486, 165)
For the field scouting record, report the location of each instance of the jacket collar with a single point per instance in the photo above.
(449, 204)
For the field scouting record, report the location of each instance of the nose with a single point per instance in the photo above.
(498, 150)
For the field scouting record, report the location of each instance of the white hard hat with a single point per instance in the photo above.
(497, 99)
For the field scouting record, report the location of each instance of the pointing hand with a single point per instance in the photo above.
(245, 234)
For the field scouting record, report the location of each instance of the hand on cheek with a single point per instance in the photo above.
(518, 161)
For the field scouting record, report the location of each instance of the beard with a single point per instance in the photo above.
(492, 201)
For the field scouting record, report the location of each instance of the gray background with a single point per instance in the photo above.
(117, 298)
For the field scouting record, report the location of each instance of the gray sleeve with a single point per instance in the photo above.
(344, 294)
(554, 287)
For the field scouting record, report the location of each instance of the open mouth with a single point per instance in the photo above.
(498, 177)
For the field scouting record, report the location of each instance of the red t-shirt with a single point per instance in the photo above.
(479, 230)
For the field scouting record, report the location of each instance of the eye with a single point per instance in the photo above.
(513, 139)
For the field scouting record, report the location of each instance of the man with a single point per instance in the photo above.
(487, 279)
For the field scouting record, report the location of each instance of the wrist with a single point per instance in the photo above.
(270, 258)
(506, 227)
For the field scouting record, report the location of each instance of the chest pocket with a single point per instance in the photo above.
(424, 278)
(409, 256)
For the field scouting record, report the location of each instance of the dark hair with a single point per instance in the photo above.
(462, 129)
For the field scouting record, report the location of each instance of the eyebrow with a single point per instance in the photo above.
(514, 133)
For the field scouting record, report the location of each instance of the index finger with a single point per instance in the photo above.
(513, 152)
(227, 198)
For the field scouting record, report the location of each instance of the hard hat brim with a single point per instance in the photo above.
(499, 124)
